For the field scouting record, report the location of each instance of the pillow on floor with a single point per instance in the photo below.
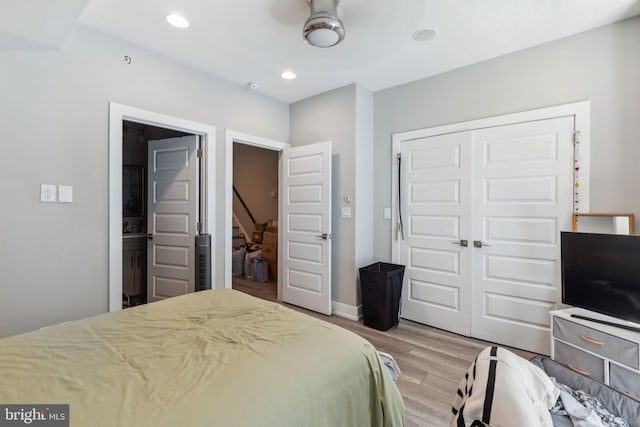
(501, 389)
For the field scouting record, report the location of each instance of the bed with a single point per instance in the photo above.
(212, 358)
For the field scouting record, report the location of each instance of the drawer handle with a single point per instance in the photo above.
(580, 371)
(591, 340)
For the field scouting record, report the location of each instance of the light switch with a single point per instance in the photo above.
(346, 212)
(65, 194)
(48, 193)
(386, 213)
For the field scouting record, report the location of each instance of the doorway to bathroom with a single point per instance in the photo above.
(161, 169)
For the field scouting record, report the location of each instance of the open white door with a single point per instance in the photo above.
(173, 210)
(306, 227)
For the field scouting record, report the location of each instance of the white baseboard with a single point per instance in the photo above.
(347, 311)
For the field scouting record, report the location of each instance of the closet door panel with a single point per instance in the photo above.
(522, 198)
(435, 205)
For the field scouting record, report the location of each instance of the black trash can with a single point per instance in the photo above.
(381, 285)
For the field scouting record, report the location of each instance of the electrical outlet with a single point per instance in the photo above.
(48, 193)
(346, 212)
(386, 213)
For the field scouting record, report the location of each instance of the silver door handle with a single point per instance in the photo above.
(464, 243)
(479, 244)
(324, 236)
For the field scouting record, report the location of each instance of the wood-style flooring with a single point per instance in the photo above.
(432, 360)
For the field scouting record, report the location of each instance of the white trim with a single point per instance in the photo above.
(231, 137)
(347, 311)
(118, 113)
(582, 116)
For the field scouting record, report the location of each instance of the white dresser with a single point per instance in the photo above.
(602, 352)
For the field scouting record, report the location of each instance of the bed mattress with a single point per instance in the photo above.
(213, 358)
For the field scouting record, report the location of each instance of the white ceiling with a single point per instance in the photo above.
(255, 40)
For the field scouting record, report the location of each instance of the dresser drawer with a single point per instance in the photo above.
(614, 348)
(624, 380)
(578, 360)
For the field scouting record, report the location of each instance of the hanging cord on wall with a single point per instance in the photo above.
(577, 157)
(400, 226)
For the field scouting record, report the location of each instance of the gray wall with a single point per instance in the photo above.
(331, 117)
(363, 200)
(54, 130)
(343, 116)
(602, 65)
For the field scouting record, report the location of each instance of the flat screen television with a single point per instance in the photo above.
(601, 273)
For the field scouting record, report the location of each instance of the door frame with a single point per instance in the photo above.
(117, 114)
(232, 137)
(581, 111)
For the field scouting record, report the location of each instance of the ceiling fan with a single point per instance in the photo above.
(324, 27)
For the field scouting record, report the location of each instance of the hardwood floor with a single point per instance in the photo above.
(432, 360)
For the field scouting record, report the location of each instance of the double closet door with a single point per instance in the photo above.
(482, 212)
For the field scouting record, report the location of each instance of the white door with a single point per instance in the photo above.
(173, 215)
(508, 192)
(522, 199)
(436, 216)
(306, 227)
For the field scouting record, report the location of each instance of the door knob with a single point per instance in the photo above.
(325, 236)
(150, 236)
(479, 244)
(464, 243)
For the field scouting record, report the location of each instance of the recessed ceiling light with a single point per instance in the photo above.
(425, 34)
(177, 21)
(288, 75)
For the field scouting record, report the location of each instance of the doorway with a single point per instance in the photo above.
(252, 213)
(138, 286)
(142, 119)
(304, 220)
(255, 221)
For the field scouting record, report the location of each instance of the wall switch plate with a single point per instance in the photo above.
(48, 193)
(65, 194)
(386, 213)
(346, 212)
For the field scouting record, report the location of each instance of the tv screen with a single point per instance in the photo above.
(601, 273)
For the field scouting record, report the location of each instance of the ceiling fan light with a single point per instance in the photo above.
(323, 28)
(323, 37)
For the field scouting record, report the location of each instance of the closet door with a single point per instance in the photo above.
(435, 204)
(522, 198)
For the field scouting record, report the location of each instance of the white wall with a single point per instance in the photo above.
(602, 65)
(54, 130)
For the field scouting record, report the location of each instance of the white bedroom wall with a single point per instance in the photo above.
(54, 108)
(602, 65)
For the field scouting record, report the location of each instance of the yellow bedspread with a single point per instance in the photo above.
(213, 358)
